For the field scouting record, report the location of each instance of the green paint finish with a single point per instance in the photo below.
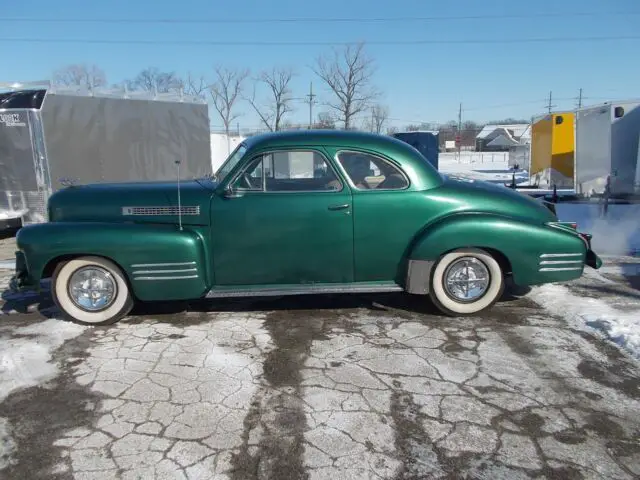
(299, 238)
(282, 238)
(126, 244)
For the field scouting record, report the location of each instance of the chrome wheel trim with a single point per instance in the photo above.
(92, 288)
(466, 279)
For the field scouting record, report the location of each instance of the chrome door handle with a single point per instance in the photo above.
(339, 207)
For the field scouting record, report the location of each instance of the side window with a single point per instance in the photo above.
(370, 172)
(289, 171)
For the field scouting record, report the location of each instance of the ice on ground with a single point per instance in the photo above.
(617, 233)
(591, 314)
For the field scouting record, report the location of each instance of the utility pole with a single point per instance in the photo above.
(311, 101)
(549, 105)
(580, 99)
(459, 139)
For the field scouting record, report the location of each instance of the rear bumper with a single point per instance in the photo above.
(591, 258)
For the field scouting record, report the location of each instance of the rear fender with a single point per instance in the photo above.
(520, 241)
(161, 262)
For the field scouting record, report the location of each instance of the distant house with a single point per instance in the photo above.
(495, 138)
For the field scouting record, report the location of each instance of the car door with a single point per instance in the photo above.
(287, 222)
(388, 212)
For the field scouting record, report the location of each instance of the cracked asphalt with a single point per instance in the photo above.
(330, 387)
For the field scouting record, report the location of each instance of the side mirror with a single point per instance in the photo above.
(230, 192)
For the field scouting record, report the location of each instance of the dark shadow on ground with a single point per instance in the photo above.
(31, 302)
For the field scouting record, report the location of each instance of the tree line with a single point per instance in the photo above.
(353, 100)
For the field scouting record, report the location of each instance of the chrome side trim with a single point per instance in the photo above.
(153, 265)
(183, 277)
(554, 255)
(418, 276)
(161, 210)
(563, 269)
(183, 270)
(558, 262)
(302, 290)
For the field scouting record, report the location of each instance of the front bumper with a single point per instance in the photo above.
(20, 281)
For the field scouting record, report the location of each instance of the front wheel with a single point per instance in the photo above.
(465, 282)
(91, 291)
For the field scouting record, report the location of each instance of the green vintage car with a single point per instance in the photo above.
(304, 212)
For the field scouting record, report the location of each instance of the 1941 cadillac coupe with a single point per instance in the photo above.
(297, 213)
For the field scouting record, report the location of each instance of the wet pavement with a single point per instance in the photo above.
(326, 387)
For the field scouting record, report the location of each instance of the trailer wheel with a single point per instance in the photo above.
(91, 291)
(466, 281)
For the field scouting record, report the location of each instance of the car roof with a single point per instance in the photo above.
(323, 137)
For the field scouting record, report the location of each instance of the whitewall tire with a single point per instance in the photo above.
(465, 282)
(91, 291)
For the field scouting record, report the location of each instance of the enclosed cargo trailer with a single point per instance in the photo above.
(426, 142)
(607, 148)
(49, 134)
(553, 151)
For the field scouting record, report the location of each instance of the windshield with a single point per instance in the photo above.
(231, 162)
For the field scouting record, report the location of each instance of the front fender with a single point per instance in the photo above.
(525, 245)
(161, 262)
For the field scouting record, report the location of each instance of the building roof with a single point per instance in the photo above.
(518, 129)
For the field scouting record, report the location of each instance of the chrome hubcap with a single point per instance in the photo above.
(466, 279)
(92, 288)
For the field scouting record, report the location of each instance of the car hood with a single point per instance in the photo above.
(144, 202)
(463, 193)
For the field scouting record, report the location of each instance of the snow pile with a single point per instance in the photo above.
(616, 234)
(622, 328)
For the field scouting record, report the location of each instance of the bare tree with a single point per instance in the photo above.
(379, 117)
(81, 75)
(326, 120)
(348, 75)
(277, 82)
(153, 80)
(225, 91)
(197, 87)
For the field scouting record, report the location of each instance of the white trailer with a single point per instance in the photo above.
(48, 134)
(607, 148)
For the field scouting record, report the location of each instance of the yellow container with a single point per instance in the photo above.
(553, 150)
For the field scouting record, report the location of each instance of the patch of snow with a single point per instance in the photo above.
(26, 361)
(620, 327)
(616, 234)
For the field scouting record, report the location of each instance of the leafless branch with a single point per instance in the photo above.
(224, 92)
(279, 104)
(379, 117)
(348, 75)
(89, 76)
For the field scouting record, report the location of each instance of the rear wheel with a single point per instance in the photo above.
(466, 281)
(91, 291)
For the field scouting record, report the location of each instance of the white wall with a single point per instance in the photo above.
(221, 147)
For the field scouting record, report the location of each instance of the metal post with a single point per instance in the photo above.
(179, 199)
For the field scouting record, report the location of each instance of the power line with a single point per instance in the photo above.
(314, 19)
(315, 43)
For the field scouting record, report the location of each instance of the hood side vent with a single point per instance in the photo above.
(161, 211)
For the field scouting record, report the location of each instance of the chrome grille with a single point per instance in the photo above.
(161, 211)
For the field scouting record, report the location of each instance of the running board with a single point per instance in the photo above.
(313, 289)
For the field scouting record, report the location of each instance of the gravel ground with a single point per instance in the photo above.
(331, 387)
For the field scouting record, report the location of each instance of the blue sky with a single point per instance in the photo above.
(420, 82)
